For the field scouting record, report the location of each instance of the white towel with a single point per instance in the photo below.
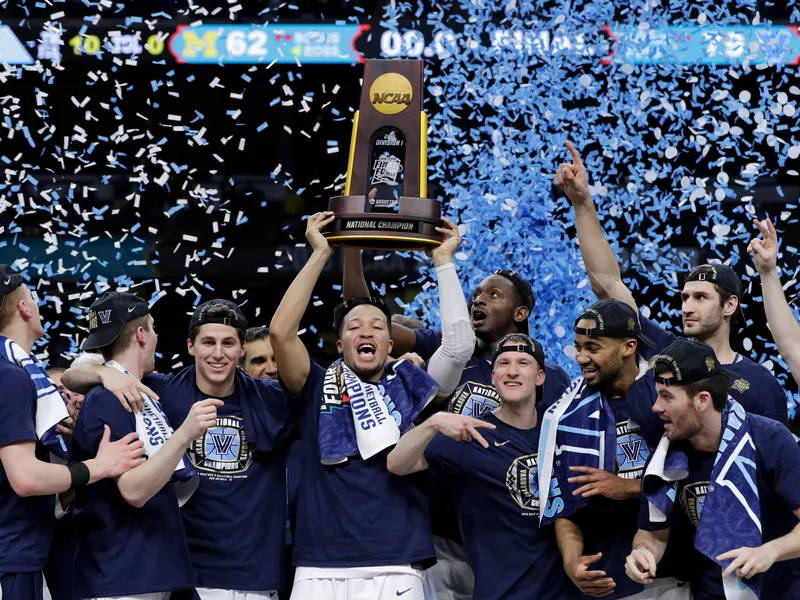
(154, 430)
(375, 426)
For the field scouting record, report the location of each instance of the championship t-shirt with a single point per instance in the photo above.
(123, 550)
(475, 396)
(355, 514)
(778, 481)
(236, 519)
(756, 390)
(497, 496)
(26, 524)
(608, 525)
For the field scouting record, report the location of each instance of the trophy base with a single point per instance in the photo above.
(412, 227)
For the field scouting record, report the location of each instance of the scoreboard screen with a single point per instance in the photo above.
(136, 40)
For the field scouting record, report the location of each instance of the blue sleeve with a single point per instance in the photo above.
(100, 408)
(303, 404)
(17, 407)
(781, 458)
(158, 382)
(758, 391)
(660, 336)
(427, 342)
(279, 410)
(555, 384)
(446, 454)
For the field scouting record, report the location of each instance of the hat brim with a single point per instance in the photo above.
(729, 373)
(104, 337)
(646, 340)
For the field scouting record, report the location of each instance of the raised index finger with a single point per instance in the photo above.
(576, 156)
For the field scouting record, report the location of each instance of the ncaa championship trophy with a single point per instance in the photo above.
(388, 154)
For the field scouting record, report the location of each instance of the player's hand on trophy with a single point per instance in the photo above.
(316, 223)
(443, 254)
(572, 178)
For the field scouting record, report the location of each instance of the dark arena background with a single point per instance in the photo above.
(175, 150)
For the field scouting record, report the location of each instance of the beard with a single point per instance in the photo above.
(688, 427)
(705, 328)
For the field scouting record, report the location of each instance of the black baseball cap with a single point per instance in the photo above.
(723, 276)
(613, 319)
(688, 361)
(108, 315)
(233, 315)
(341, 310)
(519, 342)
(9, 281)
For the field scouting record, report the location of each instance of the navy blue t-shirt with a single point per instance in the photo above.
(355, 514)
(778, 481)
(475, 396)
(236, 519)
(497, 496)
(756, 390)
(26, 524)
(608, 526)
(123, 550)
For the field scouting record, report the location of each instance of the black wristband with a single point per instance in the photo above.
(79, 473)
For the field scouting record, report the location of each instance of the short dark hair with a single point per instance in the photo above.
(218, 311)
(716, 385)
(256, 333)
(125, 337)
(405, 321)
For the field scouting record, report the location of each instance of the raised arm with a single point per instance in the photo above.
(290, 352)
(458, 338)
(354, 284)
(601, 264)
(780, 317)
(30, 476)
(408, 456)
(83, 377)
(139, 485)
(648, 550)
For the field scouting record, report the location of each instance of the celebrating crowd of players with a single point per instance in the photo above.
(469, 467)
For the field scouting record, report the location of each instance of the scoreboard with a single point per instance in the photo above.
(136, 40)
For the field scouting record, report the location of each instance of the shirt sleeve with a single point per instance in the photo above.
(555, 384)
(781, 456)
(17, 408)
(660, 337)
(427, 342)
(100, 409)
(446, 454)
(302, 404)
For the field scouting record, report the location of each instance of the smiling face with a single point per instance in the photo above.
(259, 359)
(216, 350)
(365, 341)
(679, 412)
(703, 310)
(601, 359)
(515, 376)
(496, 309)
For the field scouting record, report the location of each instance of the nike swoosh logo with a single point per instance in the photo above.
(399, 593)
(501, 443)
(131, 309)
(468, 367)
(7, 281)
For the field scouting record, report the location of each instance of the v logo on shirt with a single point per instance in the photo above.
(631, 449)
(222, 442)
